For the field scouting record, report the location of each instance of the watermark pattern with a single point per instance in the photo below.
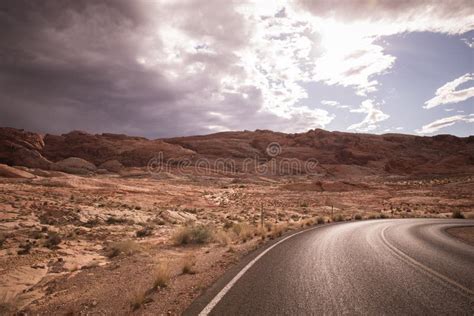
(273, 165)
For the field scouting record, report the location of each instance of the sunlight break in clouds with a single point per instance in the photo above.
(448, 94)
(445, 122)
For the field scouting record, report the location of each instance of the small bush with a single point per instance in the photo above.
(338, 218)
(194, 234)
(457, 214)
(188, 265)
(116, 220)
(145, 231)
(137, 298)
(53, 240)
(278, 230)
(25, 248)
(161, 276)
(304, 204)
(127, 247)
(222, 237)
(244, 231)
(320, 220)
(358, 217)
(383, 216)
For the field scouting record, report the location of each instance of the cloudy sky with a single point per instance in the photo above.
(168, 68)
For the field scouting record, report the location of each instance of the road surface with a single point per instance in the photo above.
(401, 266)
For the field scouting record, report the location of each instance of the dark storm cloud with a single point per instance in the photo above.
(73, 65)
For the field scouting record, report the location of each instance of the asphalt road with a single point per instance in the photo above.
(404, 266)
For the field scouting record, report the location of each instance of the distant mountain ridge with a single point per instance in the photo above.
(341, 152)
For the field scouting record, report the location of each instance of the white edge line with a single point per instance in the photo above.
(209, 307)
(420, 265)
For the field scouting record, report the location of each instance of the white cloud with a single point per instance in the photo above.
(335, 104)
(445, 122)
(448, 94)
(371, 120)
(468, 42)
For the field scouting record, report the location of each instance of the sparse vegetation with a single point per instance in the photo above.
(188, 265)
(117, 220)
(358, 217)
(222, 237)
(243, 231)
(145, 231)
(127, 247)
(338, 218)
(320, 220)
(192, 234)
(138, 298)
(457, 214)
(53, 240)
(161, 276)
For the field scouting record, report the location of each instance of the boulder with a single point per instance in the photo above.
(74, 165)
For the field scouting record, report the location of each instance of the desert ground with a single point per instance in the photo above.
(142, 243)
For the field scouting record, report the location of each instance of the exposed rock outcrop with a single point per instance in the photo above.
(21, 148)
(10, 172)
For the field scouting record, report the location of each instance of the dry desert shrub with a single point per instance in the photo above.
(338, 218)
(222, 237)
(278, 230)
(457, 214)
(188, 265)
(127, 247)
(144, 232)
(358, 217)
(192, 234)
(320, 220)
(161, 275)
(243, 231)
(137, 298)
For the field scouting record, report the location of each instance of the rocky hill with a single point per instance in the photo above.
(340, 153)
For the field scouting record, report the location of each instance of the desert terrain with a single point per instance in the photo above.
(112, 224)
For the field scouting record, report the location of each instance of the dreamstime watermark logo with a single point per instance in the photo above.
(273, 149)
(271, 164)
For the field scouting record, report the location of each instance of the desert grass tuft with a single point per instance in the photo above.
(222, 237)
(137, 298)
(192, 234)
(161, 276)
(127, 247)
(188, 265)
(243, 231)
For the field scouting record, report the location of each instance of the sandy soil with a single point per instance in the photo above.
(95, 244)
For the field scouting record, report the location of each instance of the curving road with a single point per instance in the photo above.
(403, 266)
